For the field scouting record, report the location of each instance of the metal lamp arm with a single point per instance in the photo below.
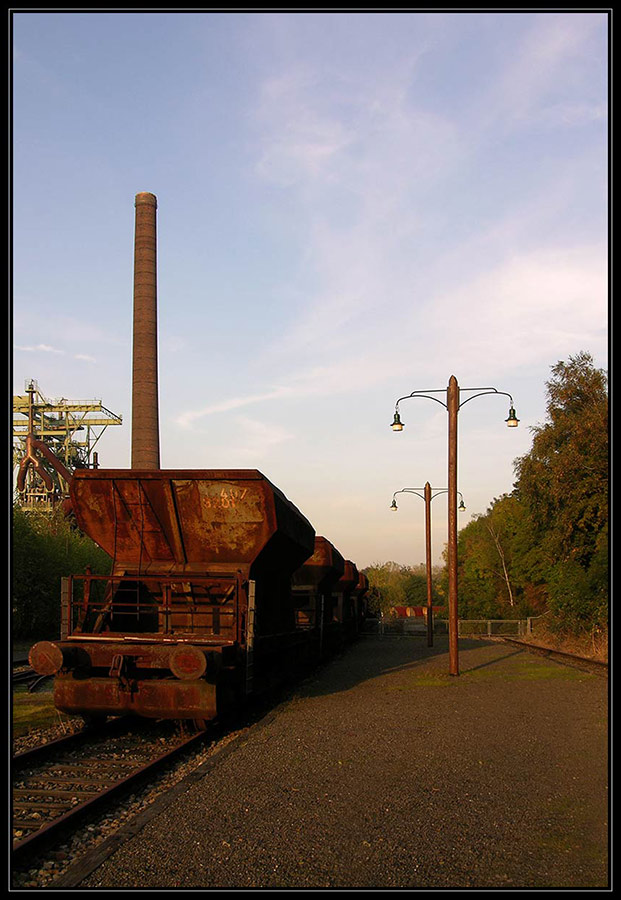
(408, 491)
(422, 497)
(422, 394)
(482, 393)
(445, 491)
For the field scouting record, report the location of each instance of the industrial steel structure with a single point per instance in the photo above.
(69, 429)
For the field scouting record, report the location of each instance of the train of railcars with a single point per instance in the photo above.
(219, 589)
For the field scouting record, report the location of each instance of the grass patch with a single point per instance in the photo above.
(495, 671)
(35, 710)
(526, 671)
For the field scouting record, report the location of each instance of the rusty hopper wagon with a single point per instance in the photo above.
(197, 612)
(312, 588)
(343, 614)
(360, 600)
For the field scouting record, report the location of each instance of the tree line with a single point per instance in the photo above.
(542, 549)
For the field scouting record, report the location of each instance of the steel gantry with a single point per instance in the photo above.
(70, 429)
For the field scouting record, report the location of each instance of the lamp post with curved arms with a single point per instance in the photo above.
(427, 496)
(453, 405)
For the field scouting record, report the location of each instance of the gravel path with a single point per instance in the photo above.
(382, 771)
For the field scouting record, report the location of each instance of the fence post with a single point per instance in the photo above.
(64, 607)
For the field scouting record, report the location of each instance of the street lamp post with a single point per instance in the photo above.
(453, 405)
(427, 496)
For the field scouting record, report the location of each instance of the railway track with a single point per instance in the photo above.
(584, 662)
(29, 677)
(57, 785)
(23, 673)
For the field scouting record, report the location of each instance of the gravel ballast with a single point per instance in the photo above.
(383, 771)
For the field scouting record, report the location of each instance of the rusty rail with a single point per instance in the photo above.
(30, 677)
(598, 665)
(93, 782)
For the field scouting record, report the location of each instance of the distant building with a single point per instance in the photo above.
(404, 612)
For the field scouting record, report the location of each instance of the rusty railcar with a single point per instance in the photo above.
(343, 625)
(360, 600)
(197, 612)
(313, 583)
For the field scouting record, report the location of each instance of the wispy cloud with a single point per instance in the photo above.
(376, 171)
(526, 310)
(189, 416)
(355, 153)
(259, 439)
(46, 348)
(301, 140)
(529, 308)
(538, 80)
(39, 348)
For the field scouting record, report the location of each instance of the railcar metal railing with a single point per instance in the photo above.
(153, 604)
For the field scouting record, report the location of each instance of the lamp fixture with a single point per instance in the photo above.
(397, 424)
(512, 420)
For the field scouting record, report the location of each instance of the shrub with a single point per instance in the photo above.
(45, 547)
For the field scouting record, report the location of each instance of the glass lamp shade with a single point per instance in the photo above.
(512, 420)
(397, 424)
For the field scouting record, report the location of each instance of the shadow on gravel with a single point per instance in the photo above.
(493, 662)
(372, 656)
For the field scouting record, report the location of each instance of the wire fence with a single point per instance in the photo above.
(416, 625)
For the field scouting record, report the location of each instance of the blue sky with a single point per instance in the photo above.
(351, 207)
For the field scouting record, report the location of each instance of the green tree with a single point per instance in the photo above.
(544, 548)
(563, 481)
(496, 565)
(416, 586)
(477, 593)
(46, 547)
(387, 585)
(391, 584)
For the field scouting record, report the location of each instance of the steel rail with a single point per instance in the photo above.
(598, 664)
(51, 830)
(29, 677)
(34, 755)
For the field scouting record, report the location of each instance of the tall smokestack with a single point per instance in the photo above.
(145, 406)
